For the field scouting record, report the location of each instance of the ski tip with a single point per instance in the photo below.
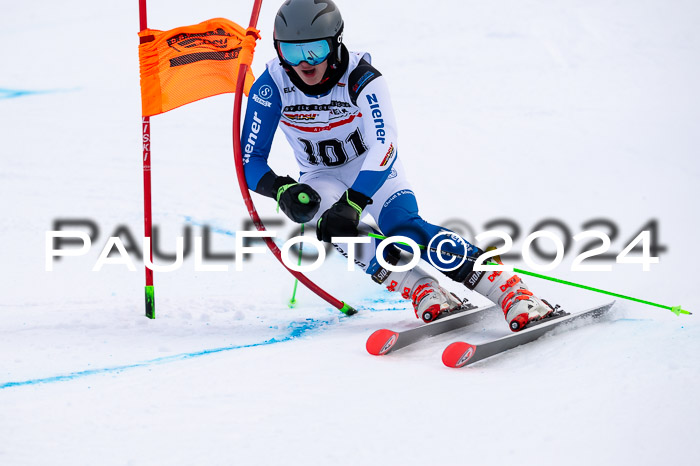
(458, 354)
(381, 341)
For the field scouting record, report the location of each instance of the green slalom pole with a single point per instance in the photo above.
(304, 199)
(150, 302)
(293, 301)
(675, 309)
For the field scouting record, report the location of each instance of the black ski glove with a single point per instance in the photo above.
(343, 216)
(298, 201)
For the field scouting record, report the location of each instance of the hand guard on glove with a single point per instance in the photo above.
(298, 201)
(343, 216)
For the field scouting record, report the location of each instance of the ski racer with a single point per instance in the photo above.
(334, 108)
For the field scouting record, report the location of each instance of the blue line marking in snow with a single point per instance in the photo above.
(393, 303)
(297, 329)
(14, 93)
(214, 229)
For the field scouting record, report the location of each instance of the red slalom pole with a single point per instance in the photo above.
(238, 158)
(147, 211)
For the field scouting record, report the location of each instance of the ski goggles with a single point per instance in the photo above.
(313, 53)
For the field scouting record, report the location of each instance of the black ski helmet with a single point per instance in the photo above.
(310, 20)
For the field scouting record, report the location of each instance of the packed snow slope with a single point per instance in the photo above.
(586, 113)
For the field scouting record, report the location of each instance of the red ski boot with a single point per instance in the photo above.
(430, 300)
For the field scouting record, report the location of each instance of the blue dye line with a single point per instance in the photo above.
(215, 229)
(297, 329)
(14, 93)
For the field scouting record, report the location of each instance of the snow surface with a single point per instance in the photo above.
(526, 110)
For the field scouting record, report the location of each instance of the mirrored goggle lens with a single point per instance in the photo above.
(312, 53)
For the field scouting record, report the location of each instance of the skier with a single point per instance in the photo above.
(334, 108)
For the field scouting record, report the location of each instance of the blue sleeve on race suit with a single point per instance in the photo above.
(380, 130)
(262, 116)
